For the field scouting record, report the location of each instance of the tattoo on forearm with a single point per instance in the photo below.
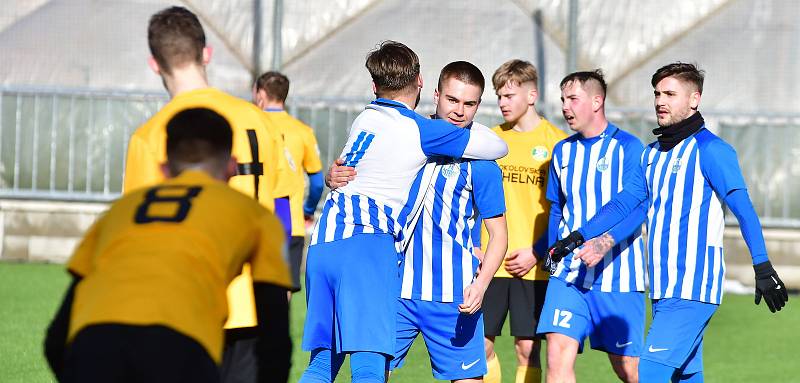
(603, 244)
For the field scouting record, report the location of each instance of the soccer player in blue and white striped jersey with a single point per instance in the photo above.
(686, 177)
(441, 296)
(602, 300)
(352, 263)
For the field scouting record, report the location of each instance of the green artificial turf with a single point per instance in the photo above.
(744, 342)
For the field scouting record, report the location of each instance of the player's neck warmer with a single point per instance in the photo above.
(671, 135)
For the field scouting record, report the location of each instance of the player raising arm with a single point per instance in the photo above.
(147, 301)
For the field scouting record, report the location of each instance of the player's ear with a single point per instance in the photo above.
(419, 81)
(436, 96)
(153, 64)
(259, 97)
(165, 170)
(207, 50)
(533, 95)
(694, 100)
(374, 89)
(597, 102)
(231, 168)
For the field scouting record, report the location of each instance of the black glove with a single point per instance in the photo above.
(770, 286)
(560, 249)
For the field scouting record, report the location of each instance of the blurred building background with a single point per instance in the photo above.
(74, 84)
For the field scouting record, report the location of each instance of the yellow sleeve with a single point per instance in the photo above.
(81, 261)
(141, 166)
(311, 161)
(269, 260)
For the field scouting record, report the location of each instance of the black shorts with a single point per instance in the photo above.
(296, 245)
(523, 298)
(126, 353)
(239, 363)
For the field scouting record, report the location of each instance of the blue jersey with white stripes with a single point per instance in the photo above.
(388, 144)
(439, 260)
(585, 174)
(688, 184)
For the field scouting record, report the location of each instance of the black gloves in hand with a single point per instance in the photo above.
(770, 286)
(560, 249)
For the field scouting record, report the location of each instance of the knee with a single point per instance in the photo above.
(488, 347)
(626, 369)
(368, 367)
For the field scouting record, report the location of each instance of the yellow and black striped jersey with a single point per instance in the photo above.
(164, 255)
(147, 151)
(147, 146)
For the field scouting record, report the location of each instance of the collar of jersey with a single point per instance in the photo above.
(610, 131)
(273, 110)
(390, 103)
(195, 175)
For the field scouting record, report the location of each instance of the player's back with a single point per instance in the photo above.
(386, 147)
(166, 254)
(253, 137)
(302, 156)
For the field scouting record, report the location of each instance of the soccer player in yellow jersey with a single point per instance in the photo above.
(180, 55)
(302, 155)
(147, 302)
(519, 285)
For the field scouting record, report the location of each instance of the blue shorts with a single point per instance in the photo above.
(613, 321)
(675, 338)
(351, 289)
(454, 340)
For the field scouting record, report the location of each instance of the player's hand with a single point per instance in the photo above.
(770, 286)
(520, 261)
(595, 249)
(339, 175)
(473, 297)
(309, 221)
(560, 249)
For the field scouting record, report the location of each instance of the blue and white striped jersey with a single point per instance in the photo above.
(439, 260)
(687, 186)
(585, 174)
(388, 144)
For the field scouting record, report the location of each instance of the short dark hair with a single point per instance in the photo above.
(682, 71)
(176, 38)
(275, 84)
(516, 72)
(463, 71)
(393, 67)
(587, 76)
(196, 136)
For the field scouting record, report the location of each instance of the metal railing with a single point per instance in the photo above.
(70, 144)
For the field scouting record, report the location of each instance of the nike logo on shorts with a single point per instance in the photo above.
(651, 349)
(468, 366)
(621, 345)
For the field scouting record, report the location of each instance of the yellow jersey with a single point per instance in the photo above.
(164, 255)
(525, 171)
(302, 156)
(147, 151)
(147, 145)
